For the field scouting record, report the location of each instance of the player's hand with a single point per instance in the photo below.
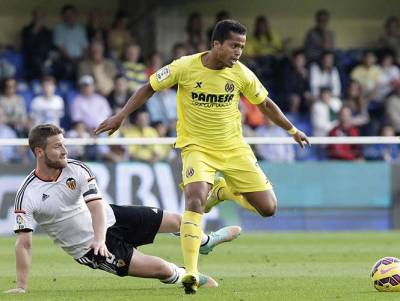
(17, 290)
(109, 125)
(99, 247)
(301, 138)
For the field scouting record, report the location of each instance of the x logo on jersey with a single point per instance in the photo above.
(198, 84)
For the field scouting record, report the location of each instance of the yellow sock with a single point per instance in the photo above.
(226, 194)
(191, 234)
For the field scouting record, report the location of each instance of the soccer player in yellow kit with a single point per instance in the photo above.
(209, 133)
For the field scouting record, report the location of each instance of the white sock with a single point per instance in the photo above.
(204, 238)
(176, 277)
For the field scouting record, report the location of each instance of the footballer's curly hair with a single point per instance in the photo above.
(223, 29)
(39, 134)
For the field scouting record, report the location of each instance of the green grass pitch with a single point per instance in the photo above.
(262, 266)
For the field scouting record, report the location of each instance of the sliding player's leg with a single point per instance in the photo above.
(147, 266)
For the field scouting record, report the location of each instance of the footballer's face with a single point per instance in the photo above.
(55, 153)
(230, 50)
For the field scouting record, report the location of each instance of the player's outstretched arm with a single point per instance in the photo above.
(137, 100)
(98, 244)
(273, 112)
(23, 254)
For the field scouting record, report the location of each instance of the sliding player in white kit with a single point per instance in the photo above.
(62, 196)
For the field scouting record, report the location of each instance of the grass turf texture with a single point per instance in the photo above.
(262, 266)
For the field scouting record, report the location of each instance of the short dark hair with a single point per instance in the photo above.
(298, 51)
(39, 134)
(119, 75)
(48, 78)
(321, 13)
(223, 29)
(67, 7)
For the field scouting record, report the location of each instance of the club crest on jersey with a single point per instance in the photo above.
(189, 172)
(71, 183)
(229, 87)
(162, 74)
(121, 263)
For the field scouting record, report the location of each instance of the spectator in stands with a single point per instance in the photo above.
(119, 35)
(251, 115)
(156, 62)
(221, 15)
(13, 106)
(7, 153)
(386, 152)
(37, 44)
(357, 104)
(71, 41)
(7, 69)
(345, 128)
(120, 95)
(142, 129)
(392, 109)
(79, 130)
(49, 107)
(390, 39)
(390, 76)
(162, 108)
(178, 50)
(167, 153)
(134, 70)
(95, 30)
(324, 112)
(89, 107)
(282, 153)
(369, 75)
(194, 31)
(296, 88)
(103, 70)
(325, 74)
(264, 40)
(319, 38)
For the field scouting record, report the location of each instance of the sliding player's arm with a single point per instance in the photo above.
(97, 212)
(94, 201)
(269, 108)
(23, 254)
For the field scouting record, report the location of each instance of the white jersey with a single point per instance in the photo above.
(59, 207)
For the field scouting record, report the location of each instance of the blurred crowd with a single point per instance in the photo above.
(76, 75)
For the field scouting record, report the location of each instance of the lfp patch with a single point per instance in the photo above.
(20, 221)
(162, 74)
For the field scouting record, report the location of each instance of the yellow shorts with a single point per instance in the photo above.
(239, 167)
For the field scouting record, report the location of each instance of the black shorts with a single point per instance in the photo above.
(134, 226)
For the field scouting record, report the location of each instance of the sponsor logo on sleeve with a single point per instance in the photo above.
(20, 221)
(162, 74)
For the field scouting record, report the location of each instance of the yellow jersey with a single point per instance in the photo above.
(208, 101)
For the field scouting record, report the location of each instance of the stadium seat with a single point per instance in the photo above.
(36, 86)
(64, 86)
(28, 96)
(16, 59)
(70, 95)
